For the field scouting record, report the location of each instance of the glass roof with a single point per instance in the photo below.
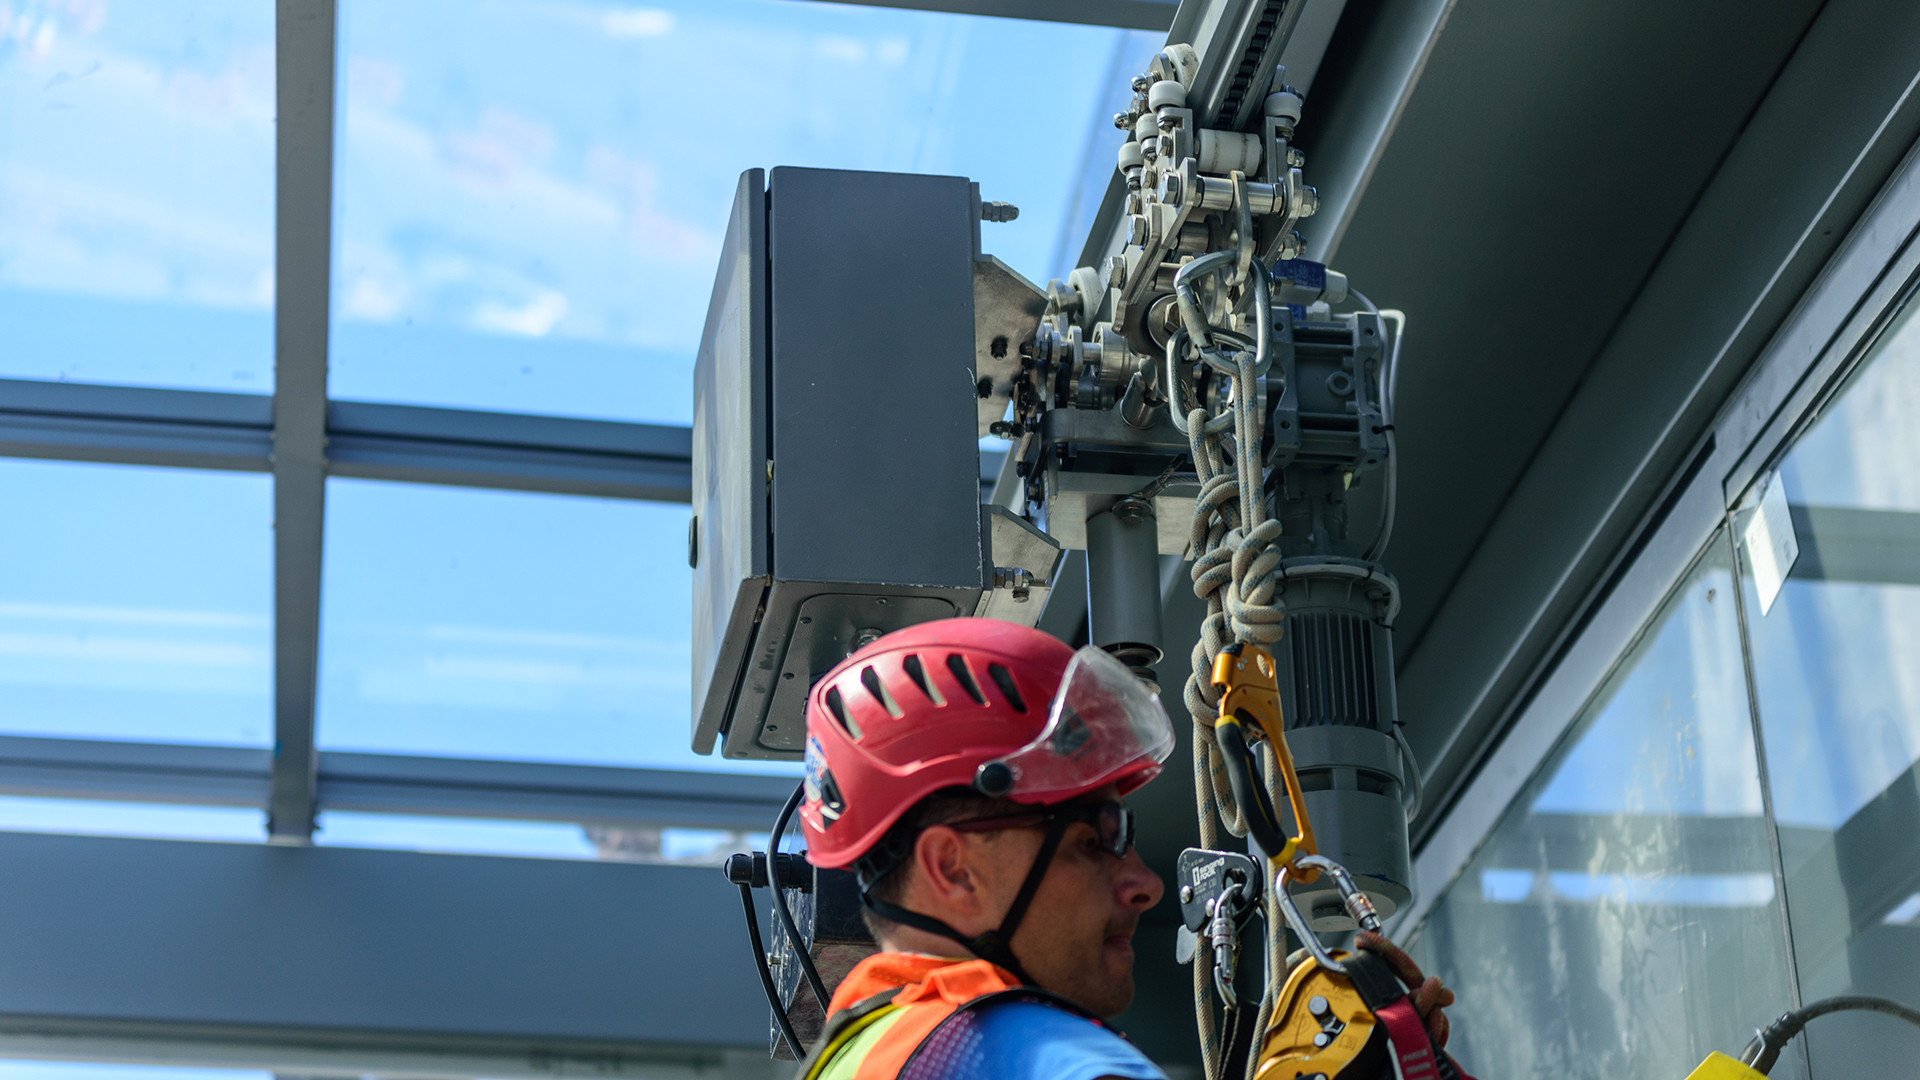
(532, 193)
(135, 603)
(501, 624)
(136, 192)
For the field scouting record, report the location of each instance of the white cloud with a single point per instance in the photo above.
(372, 298)
(534, 318)
(636, 22)
(847, 50)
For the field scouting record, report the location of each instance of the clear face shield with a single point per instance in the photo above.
(1104, 723)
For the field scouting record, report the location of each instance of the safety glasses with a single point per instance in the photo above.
(1112, 823)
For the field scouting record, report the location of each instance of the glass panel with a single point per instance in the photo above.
(136, 192)
(1839, 686)
(135, 603)
(532, 193)
(159, 821)
(1621, 919)
(499, 624)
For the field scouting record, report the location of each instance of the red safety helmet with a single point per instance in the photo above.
(1005, 709)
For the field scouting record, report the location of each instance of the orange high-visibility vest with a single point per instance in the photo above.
(918, 993)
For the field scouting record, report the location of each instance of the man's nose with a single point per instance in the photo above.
(1138, 887)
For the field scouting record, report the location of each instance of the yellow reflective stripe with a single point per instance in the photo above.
(842, 1057)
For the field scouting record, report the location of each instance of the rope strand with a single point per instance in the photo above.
(1236, 571)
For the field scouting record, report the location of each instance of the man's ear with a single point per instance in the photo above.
(947, 870)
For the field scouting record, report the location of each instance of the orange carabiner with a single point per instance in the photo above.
(1249, 687)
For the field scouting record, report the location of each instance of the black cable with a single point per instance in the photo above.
(780, 900)
(766, 974)
(1765, 1048)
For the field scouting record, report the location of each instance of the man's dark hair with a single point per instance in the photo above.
(881, 870)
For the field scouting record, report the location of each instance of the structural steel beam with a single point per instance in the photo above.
(133, 425)
(593, 795)
(388, 783)
(1124, 14)
(507, 450)
(200, 430)
(1351, 135)
(303, 237)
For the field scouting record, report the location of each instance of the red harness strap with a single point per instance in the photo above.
(1414, 1055)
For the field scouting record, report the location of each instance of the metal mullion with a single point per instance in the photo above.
(303, 237)
(1776, 860)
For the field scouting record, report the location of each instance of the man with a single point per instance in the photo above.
(970, 772)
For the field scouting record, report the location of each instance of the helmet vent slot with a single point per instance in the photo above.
(839, 710)
(958, 665)
(871, 680)
(918, 673)
(1003, 679)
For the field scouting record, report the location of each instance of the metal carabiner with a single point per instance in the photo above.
(1356, 902)
(1223, 937)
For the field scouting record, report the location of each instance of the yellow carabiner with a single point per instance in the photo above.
(1245, 676)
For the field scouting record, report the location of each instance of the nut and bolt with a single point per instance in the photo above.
(1132, 511)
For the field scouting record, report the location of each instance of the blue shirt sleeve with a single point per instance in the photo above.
(1028, 1040)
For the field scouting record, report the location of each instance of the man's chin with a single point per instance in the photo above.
(1117, 994)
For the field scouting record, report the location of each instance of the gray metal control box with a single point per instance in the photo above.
(836, 467)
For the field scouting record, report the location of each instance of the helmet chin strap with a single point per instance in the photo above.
(995, 945)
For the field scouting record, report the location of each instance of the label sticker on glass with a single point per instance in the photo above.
(1770, 543)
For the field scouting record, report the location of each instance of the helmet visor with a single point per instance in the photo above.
(1103, 724)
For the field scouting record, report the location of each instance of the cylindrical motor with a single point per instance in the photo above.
(1337, 698)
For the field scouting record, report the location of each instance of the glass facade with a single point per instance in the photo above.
(1627, 915)
(136, 192)
(1632, 872)
(1836, 663)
